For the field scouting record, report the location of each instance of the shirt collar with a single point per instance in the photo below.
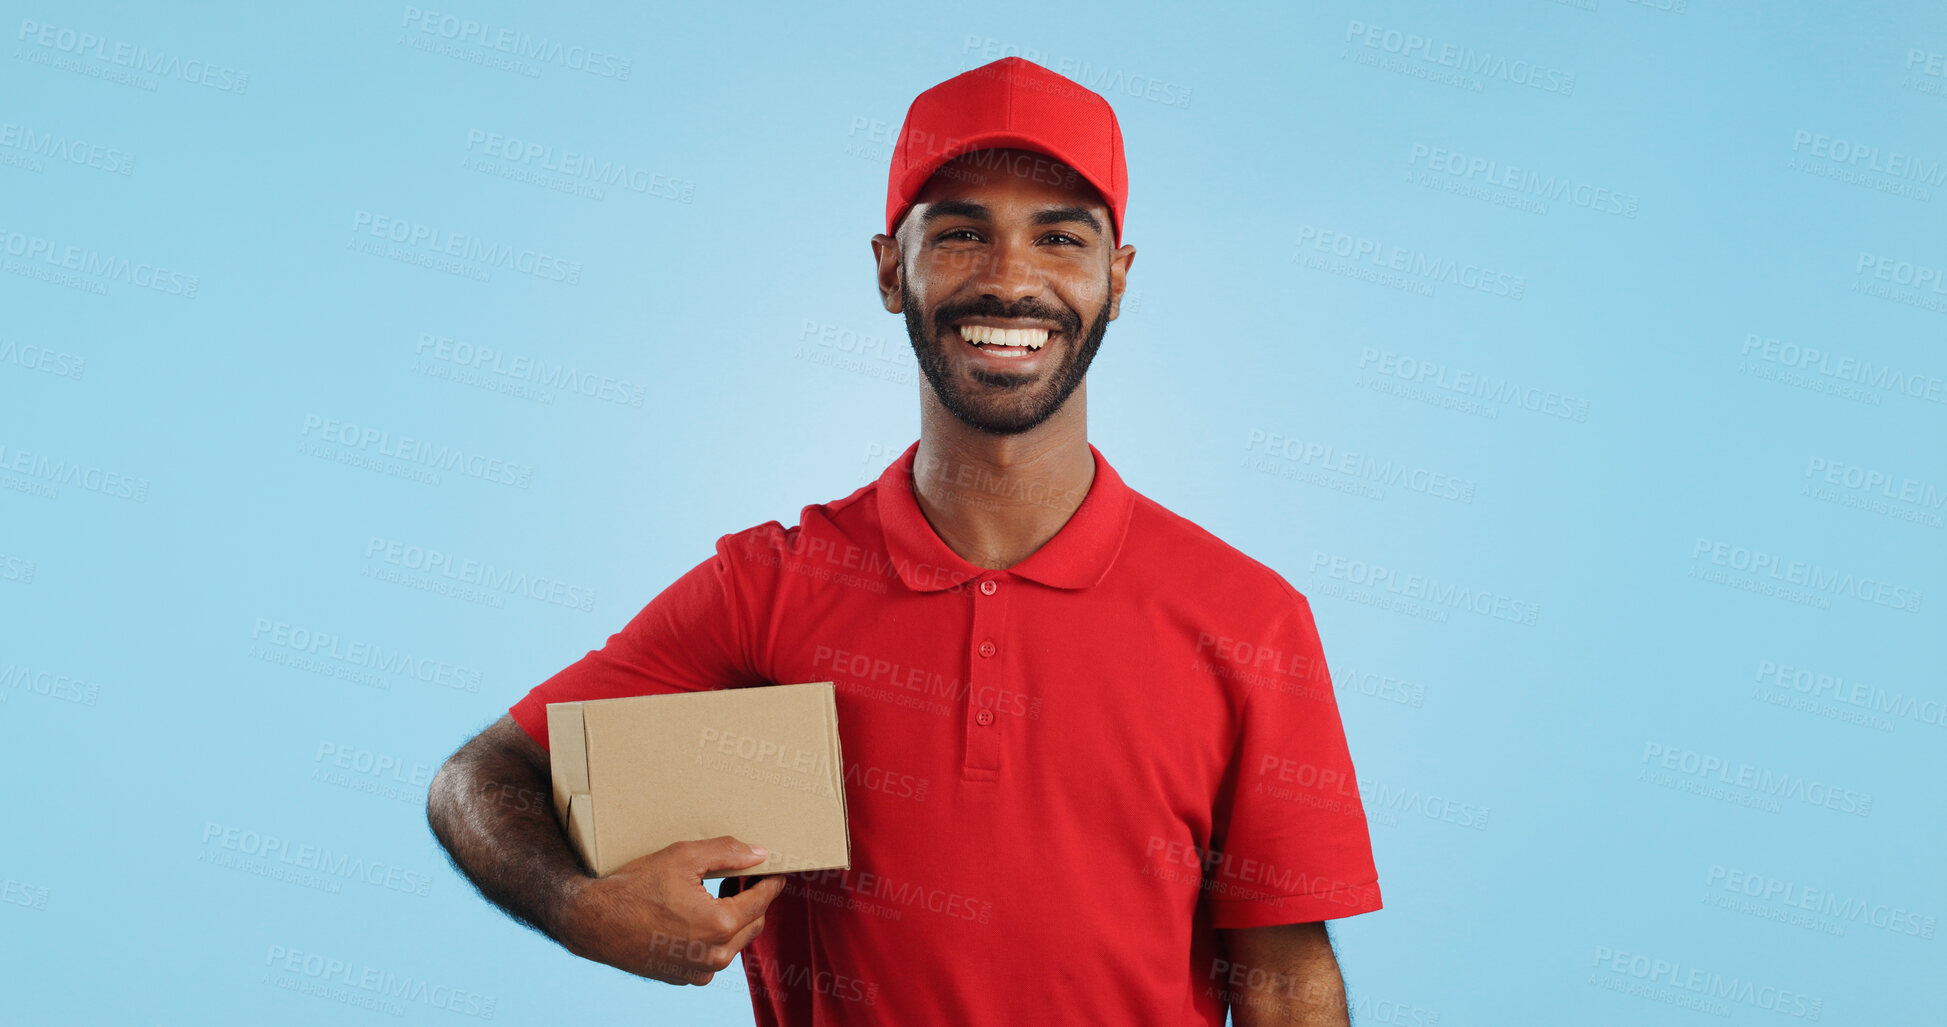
(1078, 556)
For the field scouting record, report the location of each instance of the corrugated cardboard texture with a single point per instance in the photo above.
(631, 776)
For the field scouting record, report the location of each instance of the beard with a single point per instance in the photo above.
(999, 402)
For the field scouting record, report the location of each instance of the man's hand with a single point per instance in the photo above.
(1282, 976)
(491, 806)
(654, 918)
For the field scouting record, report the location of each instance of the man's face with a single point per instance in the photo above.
(1008, 281)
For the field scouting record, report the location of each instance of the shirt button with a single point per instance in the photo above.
(984, 717)
(987, 588)
(986, 648)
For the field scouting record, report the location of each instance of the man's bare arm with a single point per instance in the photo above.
(492, 807)
(1283, 976)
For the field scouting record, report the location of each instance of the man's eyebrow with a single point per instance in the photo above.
(1060, 215)
(979, 212)
(954, 209)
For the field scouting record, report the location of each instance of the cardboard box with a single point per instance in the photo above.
(761, 763)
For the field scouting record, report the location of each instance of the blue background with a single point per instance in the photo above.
(1711, 176)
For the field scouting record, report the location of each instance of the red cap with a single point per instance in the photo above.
(1009, 103)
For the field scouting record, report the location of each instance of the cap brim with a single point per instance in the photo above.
(917, 176)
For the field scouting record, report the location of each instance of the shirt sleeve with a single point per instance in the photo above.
(1290, 843)
(694, 635)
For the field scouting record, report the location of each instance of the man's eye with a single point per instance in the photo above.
(1065, 237)
(959, 232)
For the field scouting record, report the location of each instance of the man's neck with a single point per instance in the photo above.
(995, 499)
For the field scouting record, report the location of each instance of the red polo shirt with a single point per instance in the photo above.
(1060, 776)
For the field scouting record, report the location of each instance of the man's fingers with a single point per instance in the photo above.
(749, 904)
(720, 853)
(721, 956)
(751, 930)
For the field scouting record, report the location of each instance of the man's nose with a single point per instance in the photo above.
(1008, 273)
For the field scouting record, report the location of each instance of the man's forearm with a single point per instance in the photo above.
(1287, 1000)
(494, 813)
(1285, 976)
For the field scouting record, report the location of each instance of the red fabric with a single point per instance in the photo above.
(1014, 103)
(1047, 834)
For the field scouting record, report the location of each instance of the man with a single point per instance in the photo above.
(1095, 772)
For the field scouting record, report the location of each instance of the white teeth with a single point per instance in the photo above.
(1026, 338)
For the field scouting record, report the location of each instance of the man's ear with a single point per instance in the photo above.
(1119, 277)
(885, 251)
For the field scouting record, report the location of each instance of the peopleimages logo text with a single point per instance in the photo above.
(1425, 589)
(409, 450)
(1807, 575)
(117, 53)
(416, 236)
(518, 43)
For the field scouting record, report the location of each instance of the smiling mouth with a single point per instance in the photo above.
(1004, 342)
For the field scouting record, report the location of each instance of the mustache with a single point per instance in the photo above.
(988, 306)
